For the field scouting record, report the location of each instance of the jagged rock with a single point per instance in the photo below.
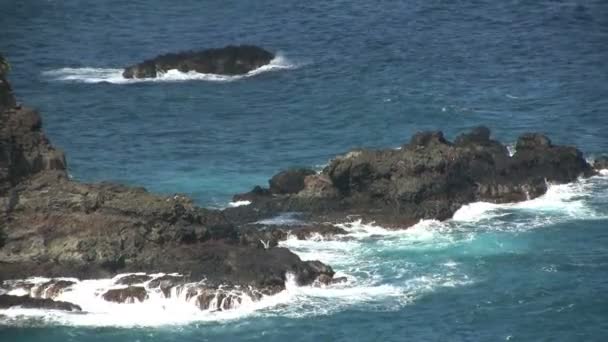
(126, 295)
(51, 288)
(269, 236)
(601, 163)
(230, 60)
(27, 302)
(430, 178)
(132, 279)
(166, 283)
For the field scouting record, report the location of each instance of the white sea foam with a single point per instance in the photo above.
(114, 75)
(561, 201)
(282, 219)
(511, 149)
(155, 310)
(239, 203)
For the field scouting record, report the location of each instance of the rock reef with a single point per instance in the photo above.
(54, 227)
(427, 178)
(230, 60)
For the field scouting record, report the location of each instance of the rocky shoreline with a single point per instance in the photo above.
(51, 226)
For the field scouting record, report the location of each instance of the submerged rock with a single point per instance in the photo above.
(27, 302)
(230, 60)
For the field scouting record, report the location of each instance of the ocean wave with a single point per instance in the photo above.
(114, 75)
(385, 269)
(560, 203)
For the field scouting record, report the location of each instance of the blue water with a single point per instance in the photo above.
(361, 74)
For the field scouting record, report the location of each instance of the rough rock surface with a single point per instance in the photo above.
(428, 178)
(230, 60)
(133, 279)
(130, 294)
(54, 227)
(601, 163)
(27, 302)
(269, 236)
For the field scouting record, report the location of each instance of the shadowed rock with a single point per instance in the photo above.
(55, 227)
(230, 60)
(27, 302)
(601, 163)
(133, 279)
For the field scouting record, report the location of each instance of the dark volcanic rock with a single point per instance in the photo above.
(230, 60)
(269, 236)
(51, 288)
(24, 149)
(7, 99)
(127, 295)
(289, 181)
(27, 302)
(430, 178)
(601, 163)
(54, 227)
(133, 279)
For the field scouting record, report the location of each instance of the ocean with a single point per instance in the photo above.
(349, 74)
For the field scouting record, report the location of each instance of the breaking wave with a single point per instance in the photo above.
(384, 269)
(114, 75)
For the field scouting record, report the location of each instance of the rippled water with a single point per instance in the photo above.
(350, 74)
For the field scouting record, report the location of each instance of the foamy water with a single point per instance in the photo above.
(385, 269)
(114, 75)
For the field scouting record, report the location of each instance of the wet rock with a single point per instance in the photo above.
(322, 230)
(531, 141)
(601, 163)
(51, 288)
(27, 302)
(126, 295)
(262, 236)
(339, 280)
(133, 279)
(166, 283)
(431, 178)
(230, 60)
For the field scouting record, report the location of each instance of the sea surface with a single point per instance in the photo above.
(349, 74)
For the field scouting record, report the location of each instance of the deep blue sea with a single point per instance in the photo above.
(349, 74)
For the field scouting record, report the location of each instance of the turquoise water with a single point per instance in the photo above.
(351, 74)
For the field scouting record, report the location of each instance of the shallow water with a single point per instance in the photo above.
(350, 74)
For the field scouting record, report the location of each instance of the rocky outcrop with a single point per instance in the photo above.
(263, 236)
(130, 294)
(230, 60)
(27, 302)
(54, 227)
(428, 178)
(133, 279)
